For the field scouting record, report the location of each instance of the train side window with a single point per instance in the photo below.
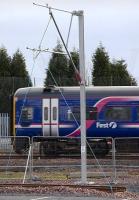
(138, 113)
(120, 113)
(91, 113)
(27, 114)
(45, 113)
(69, 114)
(54, 113)
(76, 113)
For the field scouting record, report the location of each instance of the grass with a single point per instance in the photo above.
(12, 175)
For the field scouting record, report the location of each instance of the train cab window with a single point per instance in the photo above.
(91, 113)
(27, 114)
(119, 113)
(54, 113)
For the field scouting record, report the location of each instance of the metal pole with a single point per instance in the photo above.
(114, 160)
(30, 160)
(82, 98)
(27, 164)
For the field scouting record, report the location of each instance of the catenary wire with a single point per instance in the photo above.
(68, 53)
(50, 12)
(61, 92)
(46, 6)
(8, 161)
(69, 31)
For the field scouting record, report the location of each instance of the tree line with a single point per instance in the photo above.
(13, 75)
(104, 72)
(59, 72)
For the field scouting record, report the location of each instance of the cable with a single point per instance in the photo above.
(50, 12)
(70, 57)
(76, 70)
(45, 32)
(61, 94)
(69, 31)
(39, 47)
(25, 97)
(46, 6)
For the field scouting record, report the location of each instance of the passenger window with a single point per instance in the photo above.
(69, 114)
(138, 113)
(54, 113)
(76, 113)
(119, 113)
(27, 114)
(91, 113)
(45, 113)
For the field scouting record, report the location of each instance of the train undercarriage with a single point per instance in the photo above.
(66, 146)
(50, 146)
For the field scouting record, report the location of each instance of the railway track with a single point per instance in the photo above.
(106, 188)
(108, 157)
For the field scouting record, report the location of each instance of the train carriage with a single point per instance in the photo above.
(54, 112)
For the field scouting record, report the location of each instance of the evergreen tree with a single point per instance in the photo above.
(5, 62)
(101, 67)
(120, 75)
(18, 71)
(105, 73)
(57, 68)
(72, 79)
(13, 75)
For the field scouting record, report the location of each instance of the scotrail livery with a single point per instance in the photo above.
(54, 112)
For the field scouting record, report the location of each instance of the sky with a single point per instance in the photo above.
(114, 23)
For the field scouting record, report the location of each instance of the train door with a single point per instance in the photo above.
(50, 117)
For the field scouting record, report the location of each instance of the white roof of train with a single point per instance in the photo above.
(134, 90)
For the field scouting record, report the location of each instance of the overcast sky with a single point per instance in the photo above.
(114, 23)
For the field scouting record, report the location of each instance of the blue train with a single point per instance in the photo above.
(54, 113)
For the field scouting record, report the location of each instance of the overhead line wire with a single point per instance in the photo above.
(62, 95)
(76, 70)
(50, 12)
(46, 6)
(69, 30)
(8, 161)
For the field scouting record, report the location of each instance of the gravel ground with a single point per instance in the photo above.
(126, 177)
(67, 191)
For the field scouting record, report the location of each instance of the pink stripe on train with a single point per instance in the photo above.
(100, 104)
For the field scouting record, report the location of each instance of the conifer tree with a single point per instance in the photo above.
(101, 67)
(72, 79)
(106, 73)
(19, 72)
(13, 75)
(120, 75)
(5, 62)
(57, 69)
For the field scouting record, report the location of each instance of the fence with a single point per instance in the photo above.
(4, 131)
(31, 164)
(4, 124)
